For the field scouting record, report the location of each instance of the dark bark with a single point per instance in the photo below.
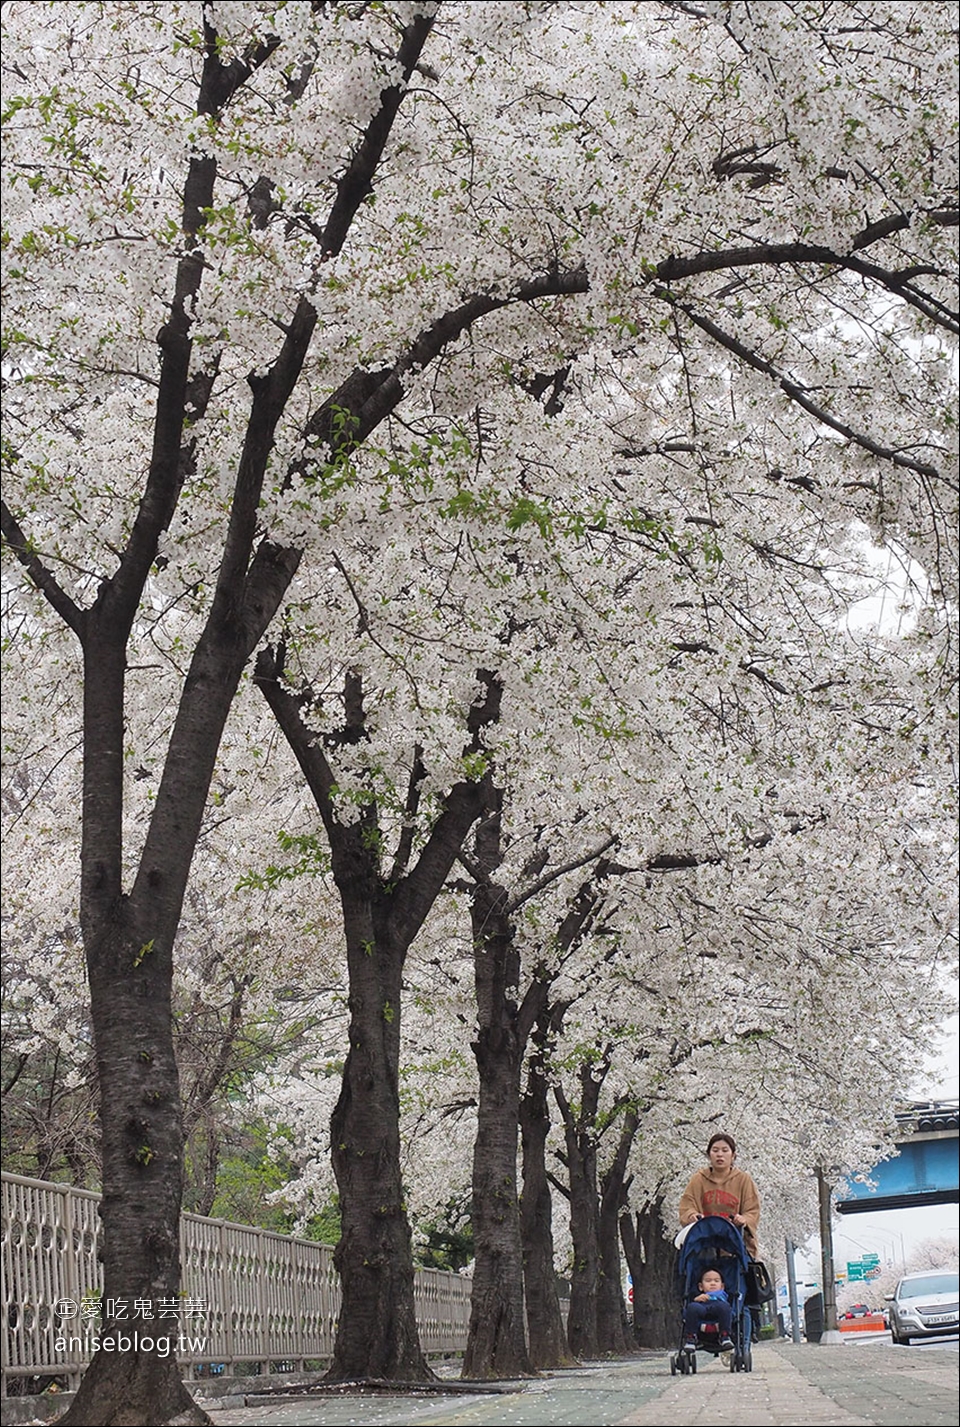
(128, 943)
(383, 909)
(356, 182)
(611, 1310)
(377, 1331)
(547, 1335)
(128, 938)
(580, 1132)
(652, 1261)
(543, 1310)
(496, 1342)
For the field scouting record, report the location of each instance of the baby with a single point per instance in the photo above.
(711, 1305)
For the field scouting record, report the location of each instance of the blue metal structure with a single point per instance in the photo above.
(924, 1172)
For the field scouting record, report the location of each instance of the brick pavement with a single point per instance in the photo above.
(778, 1393)
(806, 1385)
(889, 1386)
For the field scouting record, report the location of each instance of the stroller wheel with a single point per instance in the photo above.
(693, 1362)
(733, 1362)
(673, 1365)
(748, 1361)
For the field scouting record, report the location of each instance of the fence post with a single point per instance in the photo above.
(72, 1230)
(226, 1299)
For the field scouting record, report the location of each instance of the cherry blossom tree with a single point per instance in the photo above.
(719, 1061)
(243, 238)
(385, 901)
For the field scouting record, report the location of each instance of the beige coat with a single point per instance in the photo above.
(726, 1194)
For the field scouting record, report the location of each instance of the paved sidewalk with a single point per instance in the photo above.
(803, 1385)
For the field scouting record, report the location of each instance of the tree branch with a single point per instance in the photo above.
(169, 462)
(220, 82)
(673, 268)
(366, 398)
(549, 877)
(58, 599)
(208, 1083)
(412, 803)
(796, 393)
(288, 711)
(357, 182)
(414, 895)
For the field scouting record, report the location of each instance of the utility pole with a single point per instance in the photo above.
(831, 1333)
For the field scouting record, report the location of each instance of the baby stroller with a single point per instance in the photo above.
(715, 1243)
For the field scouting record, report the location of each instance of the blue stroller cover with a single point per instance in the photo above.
(717, 1243)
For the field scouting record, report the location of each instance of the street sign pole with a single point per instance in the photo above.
(792, 1289)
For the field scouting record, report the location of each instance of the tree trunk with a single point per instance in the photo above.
(611, 1309)
(377, 1333)
(142, 1183)
(548, 1336)
(507, 1262)
(550, 1345)
(496, 1341)
(128, 940)
(128, 943)
(581, 1158)
(652, 1261)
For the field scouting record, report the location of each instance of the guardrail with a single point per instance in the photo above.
(249, 1297)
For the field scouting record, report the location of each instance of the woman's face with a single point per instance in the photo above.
(721, 1155)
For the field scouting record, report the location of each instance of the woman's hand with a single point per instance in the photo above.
(739, 1220)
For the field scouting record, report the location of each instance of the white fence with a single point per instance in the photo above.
(248, 1296)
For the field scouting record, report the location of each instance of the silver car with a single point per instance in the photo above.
(924, 1305)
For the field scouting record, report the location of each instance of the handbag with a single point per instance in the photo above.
(760, 1289)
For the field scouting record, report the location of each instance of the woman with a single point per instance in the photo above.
(725, 1190)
